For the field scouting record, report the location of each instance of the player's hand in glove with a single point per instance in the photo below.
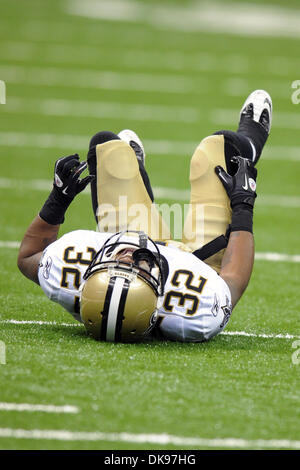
(66, 176)
(241, 191)
(241, 186)
(66, 185)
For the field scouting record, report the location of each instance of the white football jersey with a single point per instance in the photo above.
(196, 304)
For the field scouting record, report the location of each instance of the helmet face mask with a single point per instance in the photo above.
(119, 298)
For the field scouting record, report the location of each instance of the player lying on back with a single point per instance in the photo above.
(127, 285)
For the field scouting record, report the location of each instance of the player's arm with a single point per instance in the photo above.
(44, 228)
(238, 259)
(38, 236)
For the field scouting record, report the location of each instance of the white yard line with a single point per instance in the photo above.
(260, 256)
(259, 335)
(225, 333)
(167, 82)
(239, 86)
(14, 245)
(174, 194)
(278, 257)
(147, 112)
(106, 80)
(219, 17)
(159, 439)
(39, 322)
(129, 57)
(183, 149)
(38, 408)
(283, 120)
(103, 109)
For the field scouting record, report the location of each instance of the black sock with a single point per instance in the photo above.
(255, 132)
(236, 144)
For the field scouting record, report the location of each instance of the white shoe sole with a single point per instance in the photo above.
(127, 136)
(261, 100)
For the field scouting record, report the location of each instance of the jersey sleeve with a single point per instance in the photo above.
(63, 265)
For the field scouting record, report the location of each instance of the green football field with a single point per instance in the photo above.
(175, 72)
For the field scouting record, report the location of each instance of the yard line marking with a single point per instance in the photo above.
(226, 333)
(260, 256)
(275, 200)
(284, 120)
(129, 57)
(138, 112)
(4, 244)
(259, 335)
(98, 79)
(104, 109)
(237, 86)
(183, 149)
(279, 152)
(44, 141)
(130, 81)
(39, 322)
(160, 439)
(278, 257)
(209, 17)
(39, 408)
(181, 195)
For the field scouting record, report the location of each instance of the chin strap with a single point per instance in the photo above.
(213, 247)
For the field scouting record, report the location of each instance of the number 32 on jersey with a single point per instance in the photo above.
(190, 298)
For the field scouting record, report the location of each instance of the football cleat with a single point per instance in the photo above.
(258, 107)
(255, 121)
(118, 300)
(135, 143)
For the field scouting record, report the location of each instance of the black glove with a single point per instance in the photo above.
(241, 191)
(66, 185)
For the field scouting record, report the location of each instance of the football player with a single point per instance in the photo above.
(136, 281)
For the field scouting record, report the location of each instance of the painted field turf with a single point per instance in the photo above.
(240, 390)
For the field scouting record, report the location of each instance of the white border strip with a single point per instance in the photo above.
(225, 333)
(159, 439)
(41, 408)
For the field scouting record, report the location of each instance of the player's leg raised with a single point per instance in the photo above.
(209, 212)
(120, 197)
